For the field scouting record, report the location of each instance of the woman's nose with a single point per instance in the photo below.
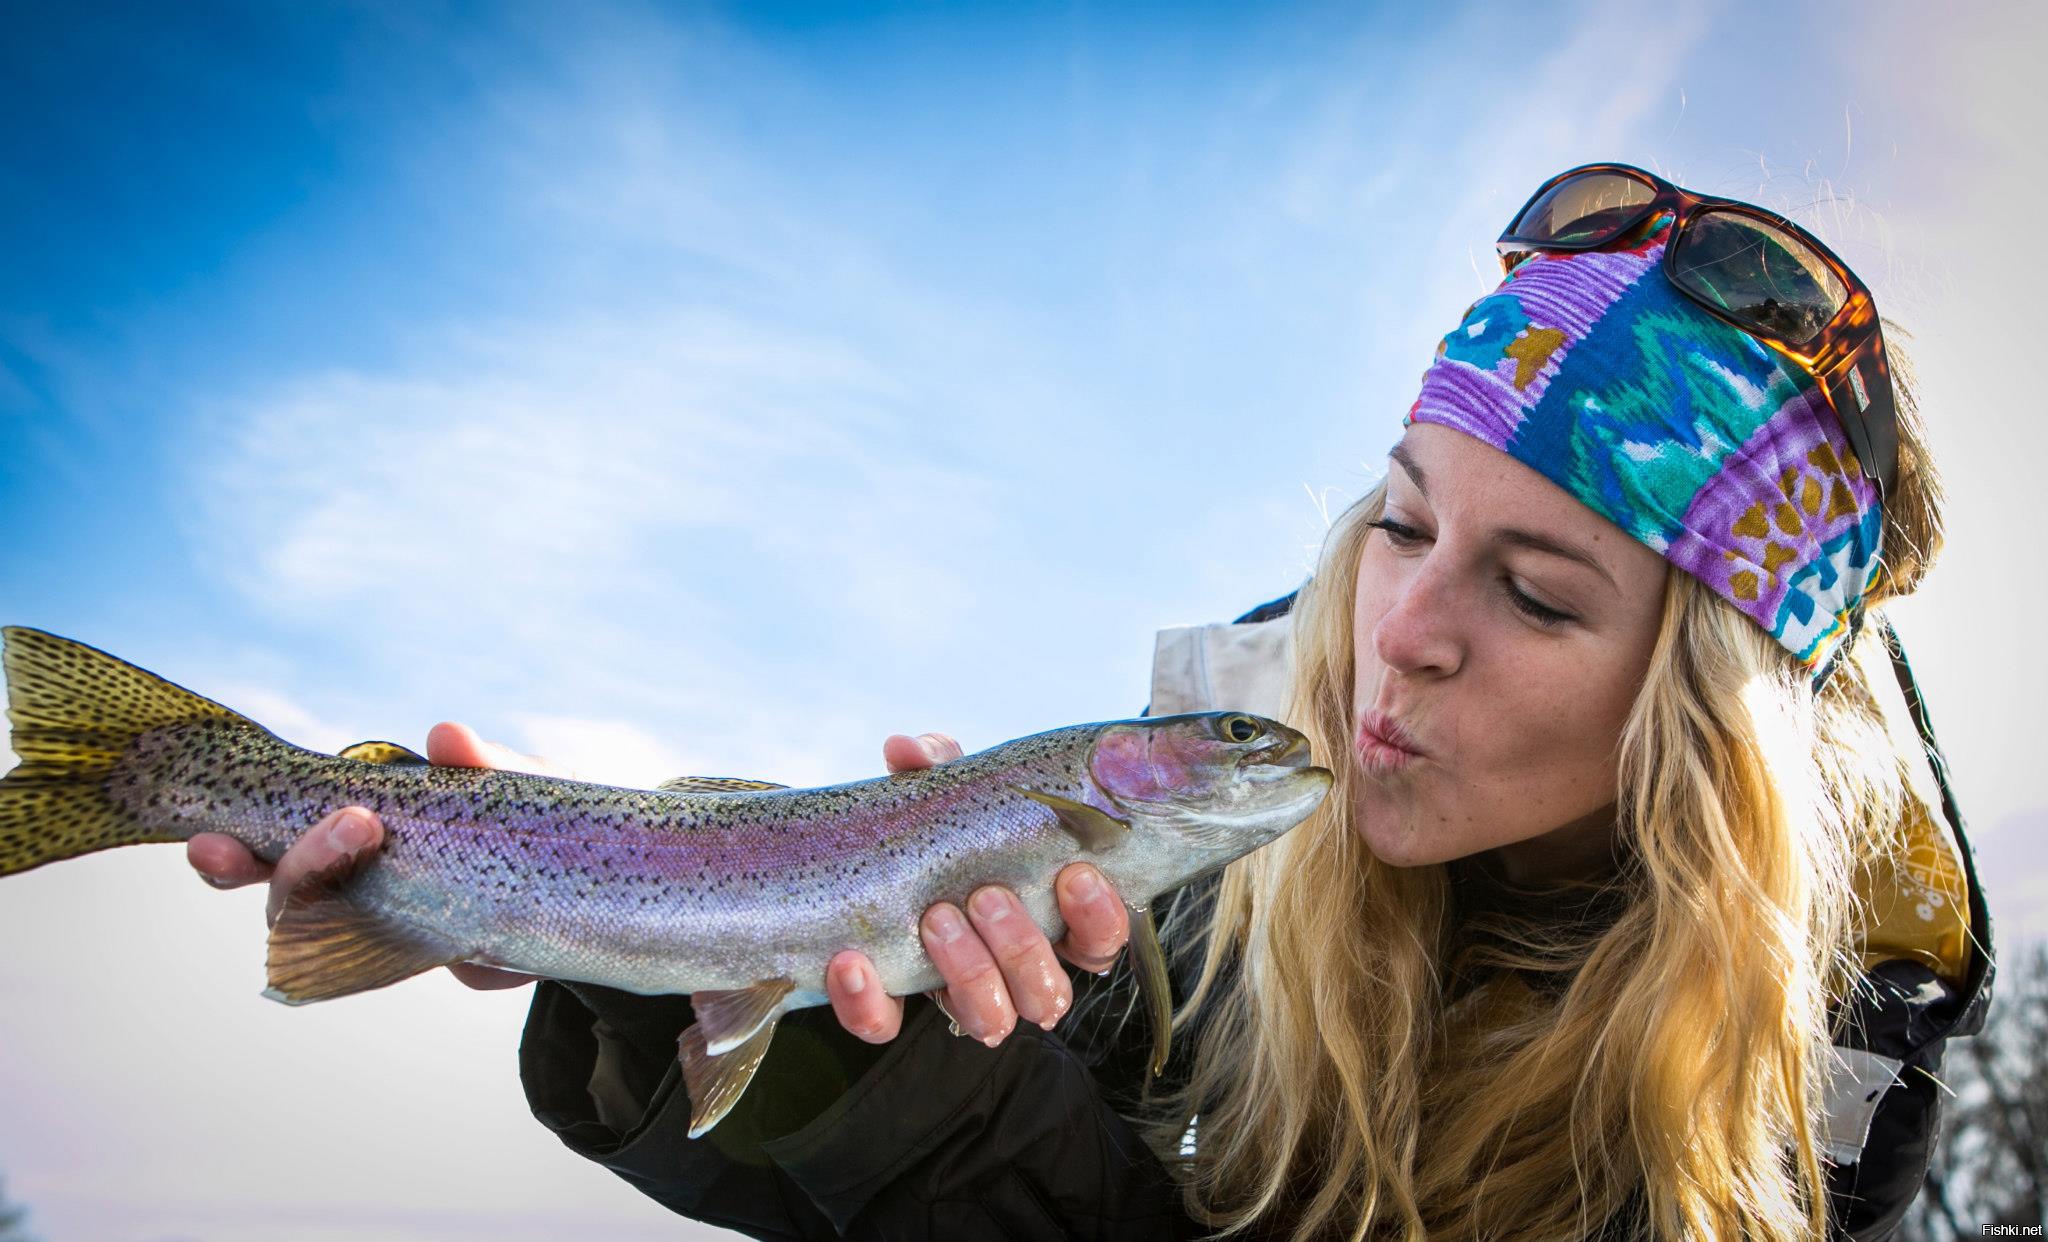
(1422, 630)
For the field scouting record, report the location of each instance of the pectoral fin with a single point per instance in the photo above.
(325, 945)
(716, 1082)
(714, 784)
(381, 752)
(729, 1019)
(1149, 961)
(1094, 829)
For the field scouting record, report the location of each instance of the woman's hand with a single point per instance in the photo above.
(997, 964)
(355, 832)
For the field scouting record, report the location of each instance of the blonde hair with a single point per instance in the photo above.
(1344, 1087)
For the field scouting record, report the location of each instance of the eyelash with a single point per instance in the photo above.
(1402, 536)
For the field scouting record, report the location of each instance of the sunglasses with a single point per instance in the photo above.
(1752, 268)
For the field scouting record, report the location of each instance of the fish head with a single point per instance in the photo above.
(1215, 785)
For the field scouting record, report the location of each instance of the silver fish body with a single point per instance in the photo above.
(737, 893)
(671, 892)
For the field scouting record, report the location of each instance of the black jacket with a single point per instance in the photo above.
(937, 1136)
(931, 1136)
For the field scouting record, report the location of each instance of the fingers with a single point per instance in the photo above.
(346, 836)
(907, 754)
(1098, 925)
(858, 1000)
(224, 862)
(453, 745)
(997, 965)
(1037, 983)
(975, 993)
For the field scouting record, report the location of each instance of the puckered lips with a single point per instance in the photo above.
(1384, 744)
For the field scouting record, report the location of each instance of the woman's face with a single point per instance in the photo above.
(1505, 630)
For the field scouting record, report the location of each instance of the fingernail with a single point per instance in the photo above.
(851, 980)
(993, 1040)
(350, 832)
(215, 881)
(1059, 1009)
(946, 924)
(1085, 887)
(932, 748)
(991, 904)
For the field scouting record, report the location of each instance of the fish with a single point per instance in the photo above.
(735, 892)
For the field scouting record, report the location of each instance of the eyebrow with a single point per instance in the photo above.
(1507, 534)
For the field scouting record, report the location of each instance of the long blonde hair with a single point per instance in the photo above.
(1342, 1087)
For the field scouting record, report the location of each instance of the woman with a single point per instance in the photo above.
(1565, 951)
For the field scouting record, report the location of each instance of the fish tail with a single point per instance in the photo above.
(75, 710)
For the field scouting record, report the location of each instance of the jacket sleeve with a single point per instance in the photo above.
(1884, 1109)
(930, 1135)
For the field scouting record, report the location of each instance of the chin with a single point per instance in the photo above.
(1401, 850)
(1391, 829)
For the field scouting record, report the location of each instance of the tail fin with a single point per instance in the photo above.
(75, 709)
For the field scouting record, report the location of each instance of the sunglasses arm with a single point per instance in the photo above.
(1857, 381)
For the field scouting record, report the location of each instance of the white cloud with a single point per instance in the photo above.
(283, 716)
(606, 752)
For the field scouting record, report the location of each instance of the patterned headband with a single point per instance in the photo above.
(1684, 431)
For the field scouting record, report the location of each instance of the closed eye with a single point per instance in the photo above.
(1542, 614)
(1398, 535)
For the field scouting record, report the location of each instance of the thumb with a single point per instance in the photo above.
(909, 754)
(452, 745)
(334, 843)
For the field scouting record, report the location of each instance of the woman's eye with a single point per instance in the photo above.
(1542, 614)
(1535, 610)
(1398, 535)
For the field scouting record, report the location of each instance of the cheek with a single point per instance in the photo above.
(1368, 604)
(1549, 728)
(1141, 766)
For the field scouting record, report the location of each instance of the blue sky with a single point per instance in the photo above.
(721, 389)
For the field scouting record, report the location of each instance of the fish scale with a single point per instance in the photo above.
(737, 893)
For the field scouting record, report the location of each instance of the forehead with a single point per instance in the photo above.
(1471, 477)
(1469, 483)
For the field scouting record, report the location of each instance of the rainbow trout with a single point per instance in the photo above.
(734, 892)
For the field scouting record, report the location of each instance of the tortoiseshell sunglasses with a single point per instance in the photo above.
(1751, 267)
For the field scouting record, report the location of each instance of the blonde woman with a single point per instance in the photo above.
(1628, 915)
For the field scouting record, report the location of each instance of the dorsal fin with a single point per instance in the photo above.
(714, 784)
(381, 752)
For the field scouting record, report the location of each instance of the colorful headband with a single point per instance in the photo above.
(1686, 432)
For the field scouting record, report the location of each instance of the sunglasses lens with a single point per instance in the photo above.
(1768, 280)
(1582, 211)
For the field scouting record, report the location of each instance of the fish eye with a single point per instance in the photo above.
(1239, 728)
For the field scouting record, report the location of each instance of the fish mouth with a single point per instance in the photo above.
(1287, 764)
(1288, 752)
